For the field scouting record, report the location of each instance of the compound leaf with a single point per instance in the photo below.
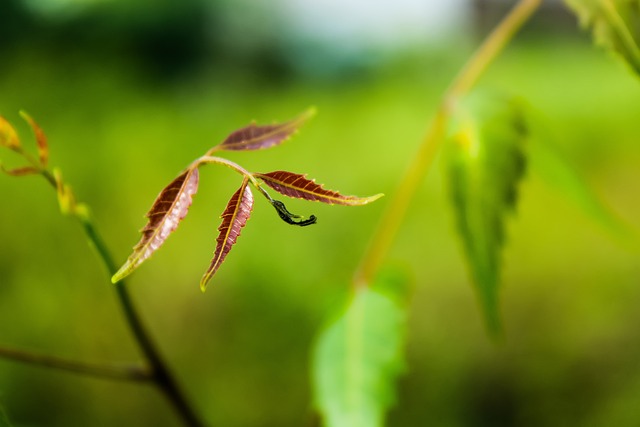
(256, 137)
(298, 186)
(485, 163)
(615, 25)
(234, 218)
(169, 208)
(357, 360)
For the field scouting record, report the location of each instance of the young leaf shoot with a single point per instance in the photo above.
(172, 205)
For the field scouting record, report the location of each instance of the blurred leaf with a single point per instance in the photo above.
(255, 137)
(41, 139)
(4, 421)
(234, 218)
(8, 136)
(357, 360)
(21, 171)
(485, 163)
(66, 199)
(554, 168)
(169, 208)
(615, 25)
(298, 186)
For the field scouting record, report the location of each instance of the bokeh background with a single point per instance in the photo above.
(130, 92)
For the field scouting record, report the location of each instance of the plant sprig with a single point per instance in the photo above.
(174, 201)
(153, 369)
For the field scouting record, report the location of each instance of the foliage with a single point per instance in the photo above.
(359, 356)
(485, 163)
(615, 25)
(173, 202)
(357, 359)
(9, 139)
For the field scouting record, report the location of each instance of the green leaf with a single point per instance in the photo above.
(357, 360)
(557, 171)
(615, 25)
(485, 163)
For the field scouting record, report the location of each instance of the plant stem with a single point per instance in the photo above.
(236, 167)
(161, 374)
(113, 372)
(466, 79)
(158, 370)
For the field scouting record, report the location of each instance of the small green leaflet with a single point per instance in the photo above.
(357, 360)
(485, 163)
(615, 25)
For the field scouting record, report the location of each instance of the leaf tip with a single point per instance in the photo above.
(25, 115)
(41, 139)
(124, 271)
(309, 113)
(373, 198)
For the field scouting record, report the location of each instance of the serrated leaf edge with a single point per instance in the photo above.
(289, 128)
(327, 196)
(177, 211)
(243, 198)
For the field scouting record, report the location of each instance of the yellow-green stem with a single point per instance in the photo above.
(155, 368)
(236, 167)
(464, 82)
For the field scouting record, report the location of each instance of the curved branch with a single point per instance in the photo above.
(236, 167)
(466, 79)
(161, 375)
(124, 372)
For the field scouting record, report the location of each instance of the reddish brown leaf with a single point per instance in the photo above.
(234, 218)
(41, 139)
(298, 186)
(8, 136)
(256, 137)
(22, 171)
(171, 205)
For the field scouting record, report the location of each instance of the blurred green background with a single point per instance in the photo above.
(130, 92)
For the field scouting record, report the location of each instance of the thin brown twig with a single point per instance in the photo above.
(122, 372)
